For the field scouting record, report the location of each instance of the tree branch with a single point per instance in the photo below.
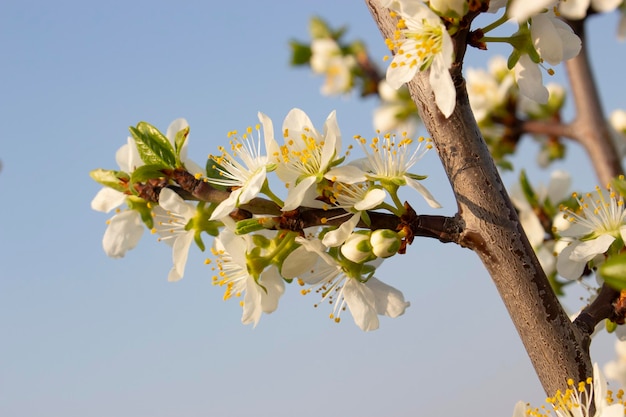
(589, 127)
(492, 229)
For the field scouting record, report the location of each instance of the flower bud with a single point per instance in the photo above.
(384, 243)
(357, 247)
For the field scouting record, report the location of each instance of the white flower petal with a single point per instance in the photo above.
(180, 253)
(338, 236)
(296, 194)
(388, 300)
(252, 187)
(127, 156)
(559, 185)
(332, 139)
(226, 206)
(123, 234)
(360, 300)
(521, 10)
(107, 199)
(275, 286)
(298, 262)
(347, 174)
(587, 250)
(399, 74)
(443, 87)
(566, 267)
(252, 308)
(529, 80)
(574, 9)
(372, 199)
(417, 186)
(169, 200)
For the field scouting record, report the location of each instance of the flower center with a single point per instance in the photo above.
(419, 45)
(389, 158)
(302, 154)
(601, 213)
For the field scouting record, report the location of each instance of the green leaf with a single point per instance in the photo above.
(613, 271)
(147, 172)
(153, 147)
(198, 239)
(318, 28)
(110, 178)
(300, 53)
(620, 185)
(179, 141)
(529, 193)
(213, 170)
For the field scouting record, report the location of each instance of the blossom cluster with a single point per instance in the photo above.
(257, 249)
(588, 398)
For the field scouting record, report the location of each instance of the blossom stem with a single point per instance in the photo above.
(496, 39)
(502, 20)
(391, 208)
(265, 189)
(283, 249)
(393, 192)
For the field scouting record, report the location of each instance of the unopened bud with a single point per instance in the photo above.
(384, 243)
(357, 247)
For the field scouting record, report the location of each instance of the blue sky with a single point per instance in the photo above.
(85, 335)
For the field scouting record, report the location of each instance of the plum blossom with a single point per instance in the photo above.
(125, 228)
(616, 369)
(396, 112)
(306, 156)
(260, 294)
(577, 9)
(522, 10)
(354, 198)
(487, 90)
(366, 298)
(600, 220)
(387, 160)
(422, 42)
(245, 178)
(451, 8)
(555, 42)
(578, 400)
(555, 192)
(171, 219)
(327, 59)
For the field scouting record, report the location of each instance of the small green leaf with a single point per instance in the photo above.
(110, 178)
(513, 58)
(318, 28)
(610, 326)
(214, 170)
(300, 53)
(366, 218)
(179, 141)
(620, 185)
(416, 176)
(198, 239)
(244, 227)
(153, 147)
(613, 271)
(528, 190)
(146, 172)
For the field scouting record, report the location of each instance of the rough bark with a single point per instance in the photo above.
(492, 229)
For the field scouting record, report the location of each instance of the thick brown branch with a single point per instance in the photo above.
(492, 229)
(544, 127)
(601, 308)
